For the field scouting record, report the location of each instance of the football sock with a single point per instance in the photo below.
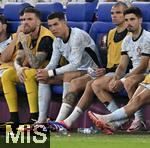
(65, 88)
(44, 100)
(138, 115)
(112, 106)
(119, 114)
(74, 115)
(31, 89)
(64, 111)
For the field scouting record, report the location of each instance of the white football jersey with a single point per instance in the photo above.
(136, 48)
(74, 51)
(4, 44)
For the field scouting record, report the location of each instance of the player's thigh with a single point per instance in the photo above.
(68, 76)
(102, 82)
(80, 82)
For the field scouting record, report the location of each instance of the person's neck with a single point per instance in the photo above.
(120, 28)
(3, 37)
(136, 33)
(35, 33)
(66, 34)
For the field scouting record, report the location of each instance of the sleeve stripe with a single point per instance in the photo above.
(145, 54)
(124, 52)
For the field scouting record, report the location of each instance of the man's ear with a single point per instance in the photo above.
(4, 26)
(39, 22)
(141, 20)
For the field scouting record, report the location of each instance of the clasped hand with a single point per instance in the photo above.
(42, 75)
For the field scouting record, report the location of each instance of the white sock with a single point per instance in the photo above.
(65, 88)
(44, 96)
(64, 112)
(112, 106)
(74, 115)
(119, 114)
(138, 115)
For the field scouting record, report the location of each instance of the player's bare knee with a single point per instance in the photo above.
(89, 83)
(66, 77)
(75, 85)
(95, 86)
(71, 99)
(128, 83)
(7, 75)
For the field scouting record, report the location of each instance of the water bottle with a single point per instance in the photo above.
(90, 130)
(91, 72)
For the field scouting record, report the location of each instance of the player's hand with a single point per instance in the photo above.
(20, 29)
(115, 86)
(23, 39)
(42, 75)
(112, 85)
(100, 72)
(21, 73)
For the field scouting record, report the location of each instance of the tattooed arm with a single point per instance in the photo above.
(19, 59)
(34, 60)
(18, 65)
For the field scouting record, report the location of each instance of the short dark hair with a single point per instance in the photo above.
(32, 10)
(59, 15)
(3, 19)
(134, 10)
(22, 11)
(120, 3)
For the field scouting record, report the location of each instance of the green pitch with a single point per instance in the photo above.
(75, 140)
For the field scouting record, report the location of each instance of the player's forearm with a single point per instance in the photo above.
(66, 68)
(120, 71)
(7, 54)
(33, 60)
(136, 71)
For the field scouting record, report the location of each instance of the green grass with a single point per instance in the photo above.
(75, 140)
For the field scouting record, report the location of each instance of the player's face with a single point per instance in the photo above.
(30, 22)
(133, 22)
(117, 15)
(57, 27)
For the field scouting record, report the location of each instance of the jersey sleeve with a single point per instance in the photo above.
(56, 54)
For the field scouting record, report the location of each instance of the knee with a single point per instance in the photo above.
(8, 75)
(30, 74)
(89, 83)
(75, 85)
(95, 86)
(67, 77)
(128, 84)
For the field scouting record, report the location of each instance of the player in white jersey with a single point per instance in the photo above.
(82, 84)
(4, 41)
(4, 38)
(136, 47)
(76, 46)
(75, 50)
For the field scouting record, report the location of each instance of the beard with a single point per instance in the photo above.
(130, 29)
(28, 29)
